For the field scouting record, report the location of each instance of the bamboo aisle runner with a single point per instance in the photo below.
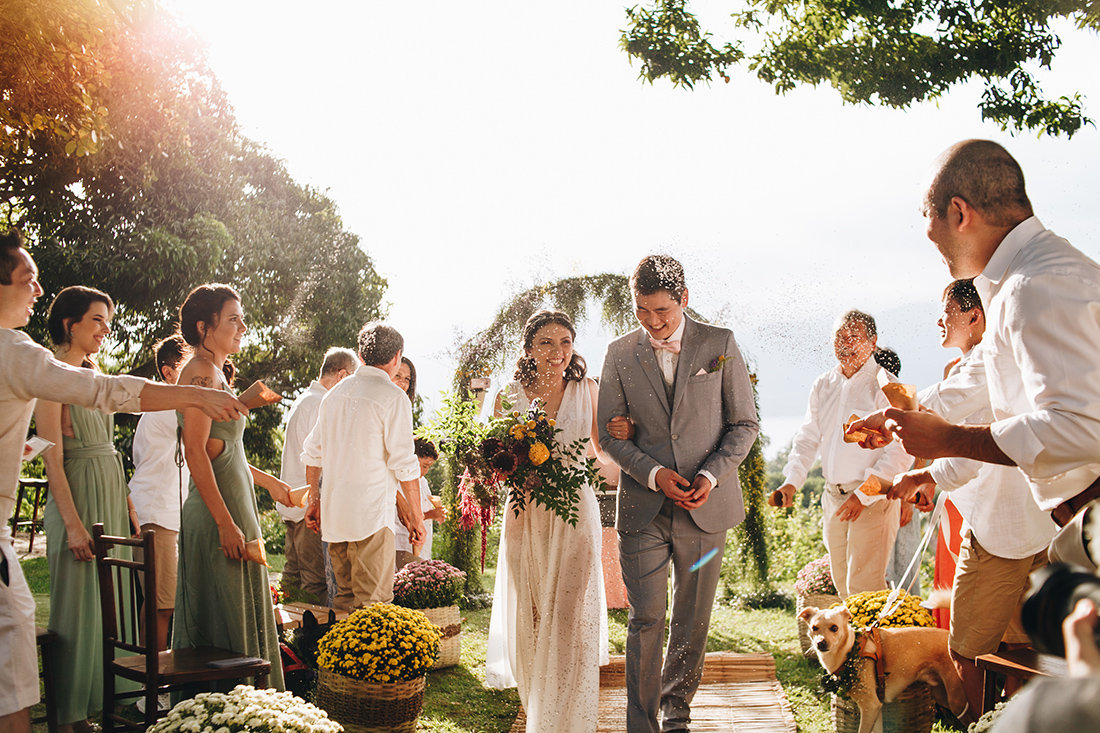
(739, 693)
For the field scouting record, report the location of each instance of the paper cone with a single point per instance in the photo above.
(259, 395)
(254, 551)
(299, 496)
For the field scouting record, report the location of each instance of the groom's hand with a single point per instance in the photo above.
(669, 482)
(699, 493)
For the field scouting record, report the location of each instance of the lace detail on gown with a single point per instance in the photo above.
(548, 631)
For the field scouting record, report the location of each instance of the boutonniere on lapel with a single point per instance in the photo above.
(714, 366)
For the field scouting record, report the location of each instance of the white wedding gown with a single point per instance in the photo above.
(548, 631)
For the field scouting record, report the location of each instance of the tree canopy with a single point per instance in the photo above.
(874, 52)
(121, 158)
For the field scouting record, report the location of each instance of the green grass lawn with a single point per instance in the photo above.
(457, 701)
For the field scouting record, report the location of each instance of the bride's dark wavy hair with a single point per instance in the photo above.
(525, 365)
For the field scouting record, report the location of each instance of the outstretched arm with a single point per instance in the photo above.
(924, 434)
(279, 489)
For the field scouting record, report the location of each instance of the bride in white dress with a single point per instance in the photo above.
(548, 631)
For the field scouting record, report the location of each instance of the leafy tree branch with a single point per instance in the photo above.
(893, 54)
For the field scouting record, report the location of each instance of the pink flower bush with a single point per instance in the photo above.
(428, 584)
(816, 579)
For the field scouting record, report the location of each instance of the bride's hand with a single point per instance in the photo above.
(621, 427)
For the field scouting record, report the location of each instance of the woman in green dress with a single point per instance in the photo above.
(87, 485)
(222, 599)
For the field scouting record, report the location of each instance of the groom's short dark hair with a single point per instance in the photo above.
(659, 272)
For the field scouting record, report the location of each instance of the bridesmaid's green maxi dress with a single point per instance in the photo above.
(94, 471)
(220, 602)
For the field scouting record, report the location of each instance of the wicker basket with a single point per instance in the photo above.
(912, 712)
(815, 601)
(370, 707)
(449, 619)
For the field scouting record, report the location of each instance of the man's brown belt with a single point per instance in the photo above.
(1068, 509)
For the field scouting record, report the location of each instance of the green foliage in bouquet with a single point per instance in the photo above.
(865, 608)
(380, 643)
(246, 709)
(523, 451)
(428, 584)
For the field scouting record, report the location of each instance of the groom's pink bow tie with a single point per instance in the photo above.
(673, 346)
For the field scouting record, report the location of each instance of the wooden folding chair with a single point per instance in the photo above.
(158, 673)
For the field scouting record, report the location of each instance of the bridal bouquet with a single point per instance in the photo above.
(247, 709)
(526, 459)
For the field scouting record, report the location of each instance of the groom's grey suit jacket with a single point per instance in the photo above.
(710, 424)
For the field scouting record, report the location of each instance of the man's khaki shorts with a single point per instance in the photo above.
(986, 599)
(167, 550)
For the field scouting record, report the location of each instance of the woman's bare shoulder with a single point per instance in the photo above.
(201, 373)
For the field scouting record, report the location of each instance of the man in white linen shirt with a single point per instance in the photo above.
(29, 372)
(363, 440)
(305, 560)
(1005, 534)
(1041, 352)
(859, 530)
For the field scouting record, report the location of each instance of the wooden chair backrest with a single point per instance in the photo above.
(119, 602)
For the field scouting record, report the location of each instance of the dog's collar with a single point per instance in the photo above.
(841, 681)
(844, 678)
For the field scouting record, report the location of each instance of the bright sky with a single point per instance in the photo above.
(480, 147)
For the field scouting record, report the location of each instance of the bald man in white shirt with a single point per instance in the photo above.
(1041, 352)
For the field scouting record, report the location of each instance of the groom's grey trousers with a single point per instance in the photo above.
(645, 555)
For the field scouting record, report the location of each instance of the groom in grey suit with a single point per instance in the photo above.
(686, 388)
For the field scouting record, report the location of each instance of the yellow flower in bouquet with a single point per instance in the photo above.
(865, 609)
(518, 432)
(538, 454)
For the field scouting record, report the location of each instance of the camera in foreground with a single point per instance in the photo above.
(1054, 592)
